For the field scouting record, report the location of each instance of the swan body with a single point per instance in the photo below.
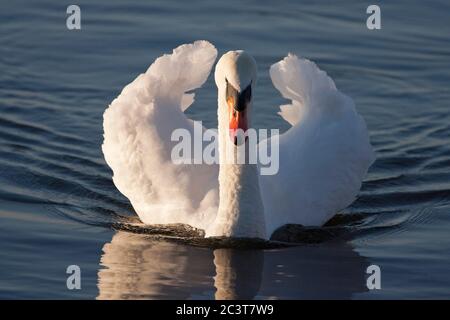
(323, 157)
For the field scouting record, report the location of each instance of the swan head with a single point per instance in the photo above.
(235, 77)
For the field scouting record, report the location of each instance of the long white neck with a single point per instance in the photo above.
(241, 211)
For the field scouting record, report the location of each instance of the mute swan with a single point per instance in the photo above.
(322, 158)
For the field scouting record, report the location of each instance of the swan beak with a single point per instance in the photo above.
(238, 121)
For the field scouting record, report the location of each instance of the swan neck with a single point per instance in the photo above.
(241, 211)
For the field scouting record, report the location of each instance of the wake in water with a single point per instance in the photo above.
(341, 227)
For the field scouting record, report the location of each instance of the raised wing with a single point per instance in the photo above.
(137, 140)
(323, 158)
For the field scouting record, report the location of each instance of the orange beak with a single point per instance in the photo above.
(238, 122)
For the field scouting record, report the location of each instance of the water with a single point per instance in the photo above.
(58, 205)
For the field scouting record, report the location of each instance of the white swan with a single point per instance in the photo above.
(323, 157)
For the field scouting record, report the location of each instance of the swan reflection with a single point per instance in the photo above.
(135, 266)
(238, 273)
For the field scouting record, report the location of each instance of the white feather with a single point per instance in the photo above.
(323, 157)
(137, 141)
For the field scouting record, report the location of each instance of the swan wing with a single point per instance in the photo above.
(138, 127)
(323, 157)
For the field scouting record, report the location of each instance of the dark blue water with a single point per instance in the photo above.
(58, 205)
